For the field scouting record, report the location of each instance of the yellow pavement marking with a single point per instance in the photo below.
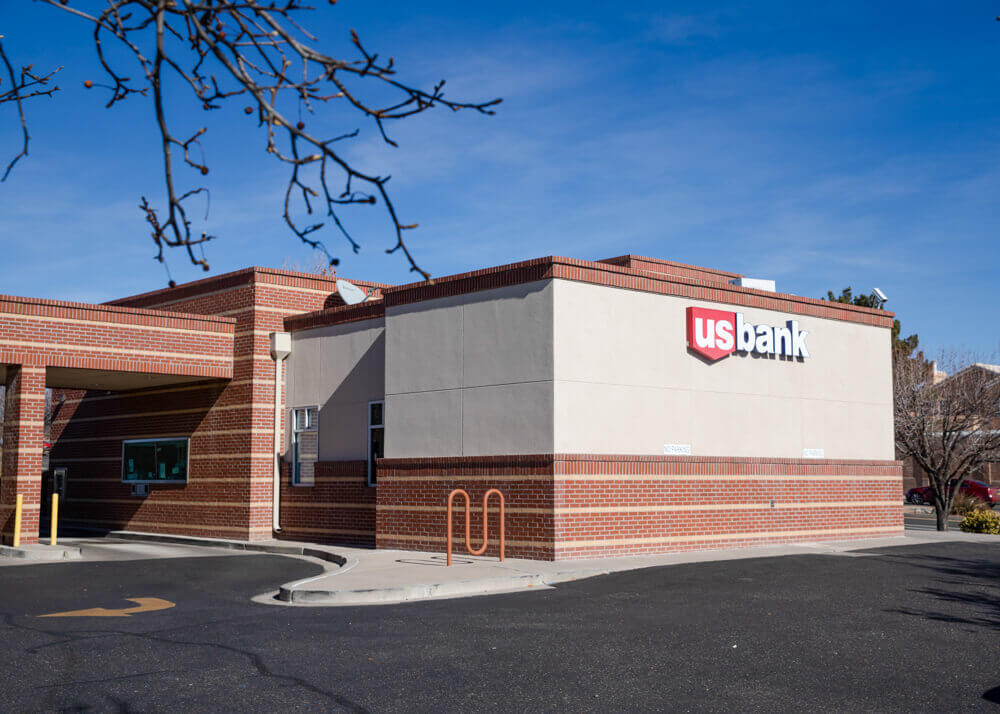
(145, 604)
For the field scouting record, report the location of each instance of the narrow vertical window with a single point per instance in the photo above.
(376, 438)
(305, 445)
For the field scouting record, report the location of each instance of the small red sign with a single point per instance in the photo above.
(711, 333)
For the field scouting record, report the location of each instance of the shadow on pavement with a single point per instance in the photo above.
(981, 602)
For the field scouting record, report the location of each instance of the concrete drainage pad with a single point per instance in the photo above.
(404, 593)
(41, 552)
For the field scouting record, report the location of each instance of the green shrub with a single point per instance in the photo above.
(981, 522)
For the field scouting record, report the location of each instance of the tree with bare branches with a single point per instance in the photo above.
(317, 265)
(259, 54)
(949, 428)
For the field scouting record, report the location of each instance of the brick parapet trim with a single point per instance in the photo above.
(556, 267)
(238, 278)
(627, 272)
(371, 310)
(99, 337)
(461, 283)
(112, 314)
(186, 290)
(657, 265)
(57, 357)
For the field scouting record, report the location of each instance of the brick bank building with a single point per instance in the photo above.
(624, 406)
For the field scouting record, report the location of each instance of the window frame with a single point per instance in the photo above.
(370, 462)
(294, 432)
(187, 460)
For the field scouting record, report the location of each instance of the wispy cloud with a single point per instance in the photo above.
(685, 136)
(681, 29)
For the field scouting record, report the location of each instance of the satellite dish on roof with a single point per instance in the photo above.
(350, 293)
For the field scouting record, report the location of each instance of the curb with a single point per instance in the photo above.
(318, 553)
(294, 595)
(911, 509)
(461, 588)
(42, 553)
(291, 595)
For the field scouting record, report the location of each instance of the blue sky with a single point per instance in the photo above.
(821, 145)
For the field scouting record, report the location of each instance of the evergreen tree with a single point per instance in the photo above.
(906, 347)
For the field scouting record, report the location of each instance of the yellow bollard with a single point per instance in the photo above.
(17, 520)
(54, 531)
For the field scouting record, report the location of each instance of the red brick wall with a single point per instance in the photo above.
(87, 435)
(627, 505)
(573, 506)
(23, 432)
(231, 424)
(41, 340)
(412, 493)
(53, 333)
(338, 508)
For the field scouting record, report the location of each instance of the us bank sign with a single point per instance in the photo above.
(715, 334)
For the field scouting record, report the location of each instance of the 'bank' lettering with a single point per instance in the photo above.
(715, 334)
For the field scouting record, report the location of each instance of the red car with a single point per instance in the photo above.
(976, 489)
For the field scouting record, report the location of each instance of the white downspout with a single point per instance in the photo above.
(281, 347)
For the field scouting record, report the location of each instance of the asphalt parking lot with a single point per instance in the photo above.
(900, 629)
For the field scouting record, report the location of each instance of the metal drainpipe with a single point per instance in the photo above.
(281, 347)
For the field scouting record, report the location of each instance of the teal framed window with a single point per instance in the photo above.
(155, 460)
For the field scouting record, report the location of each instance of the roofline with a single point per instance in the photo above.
(232, 279)
(991, 368)
(628, 257)
(600, 273)
(368, 310)
(592, 272)
(123, 310)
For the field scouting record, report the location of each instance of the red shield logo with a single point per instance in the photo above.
(711, 333)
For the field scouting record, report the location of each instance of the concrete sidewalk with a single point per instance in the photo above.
(394, 576)
(360, 576)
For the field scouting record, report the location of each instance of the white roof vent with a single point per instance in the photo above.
(755, 283)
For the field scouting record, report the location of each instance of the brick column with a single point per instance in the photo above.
(23, 434)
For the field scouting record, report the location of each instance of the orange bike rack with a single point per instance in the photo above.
(468, 522)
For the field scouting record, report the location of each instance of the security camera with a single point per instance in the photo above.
(879, 294)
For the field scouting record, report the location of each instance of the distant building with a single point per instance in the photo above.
(988, 473)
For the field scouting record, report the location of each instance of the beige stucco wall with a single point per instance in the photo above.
(625, 383)
(566, 367)
(471, 374)
(340, 369)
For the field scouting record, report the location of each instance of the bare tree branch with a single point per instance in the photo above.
(224, 49)
(22, 87)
